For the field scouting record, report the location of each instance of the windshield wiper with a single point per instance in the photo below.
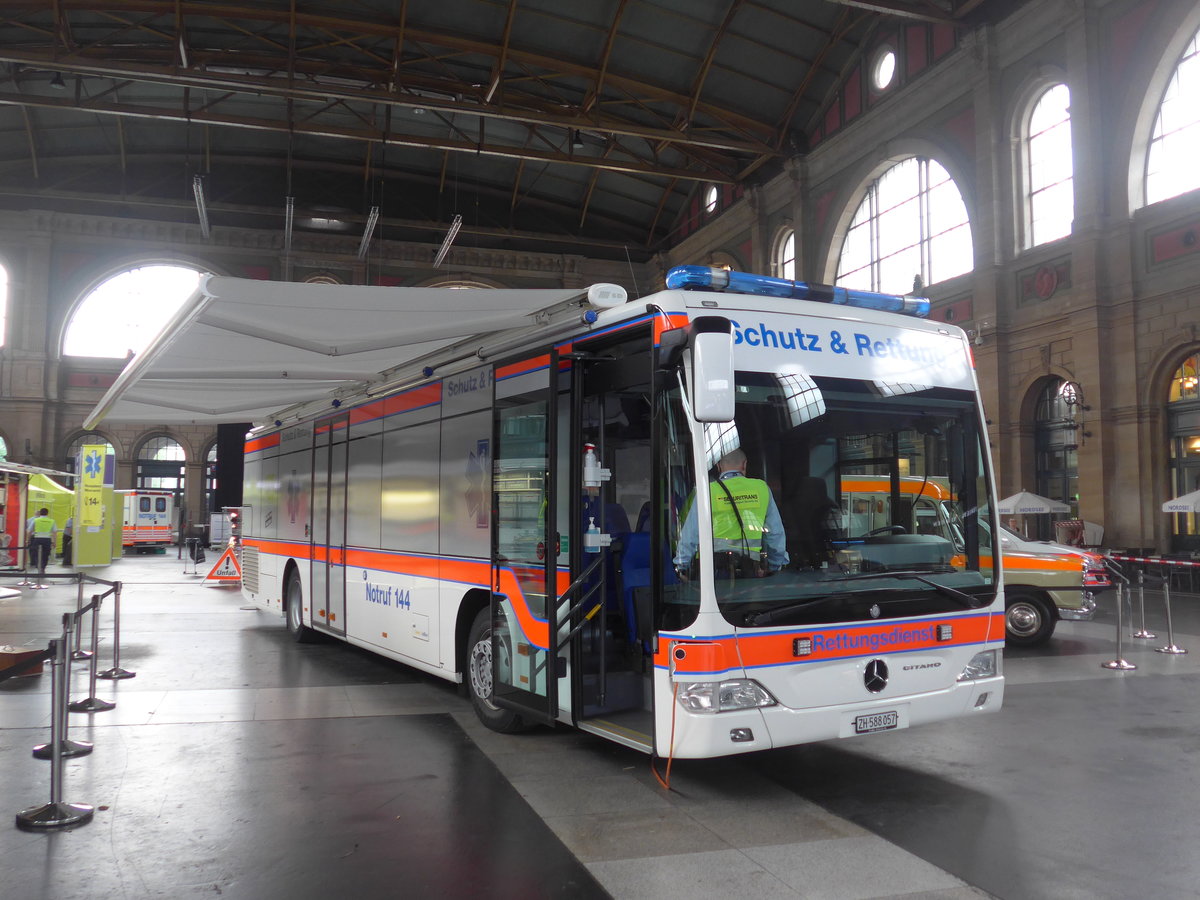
(770, 615)
(965, 599)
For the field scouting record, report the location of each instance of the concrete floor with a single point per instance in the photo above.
(238, 764)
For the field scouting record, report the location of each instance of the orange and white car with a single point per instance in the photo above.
(1043, 582)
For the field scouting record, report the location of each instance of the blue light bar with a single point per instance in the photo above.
(707, 278)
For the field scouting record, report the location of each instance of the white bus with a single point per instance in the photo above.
(506, 515)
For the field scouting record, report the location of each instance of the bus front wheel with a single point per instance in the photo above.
(480, 678)
(1029, 620)
(300, 632)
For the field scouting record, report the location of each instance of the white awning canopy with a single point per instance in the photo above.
(241, 350)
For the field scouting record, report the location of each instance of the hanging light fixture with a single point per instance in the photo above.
(289, 211)
(455, 225)
(372, 221)
(201, 206)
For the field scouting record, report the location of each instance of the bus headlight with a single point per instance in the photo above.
(723, 696)
(982, 665)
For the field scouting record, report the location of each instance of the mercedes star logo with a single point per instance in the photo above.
(876, 676)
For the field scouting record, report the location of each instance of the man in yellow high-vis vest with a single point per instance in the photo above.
(42, 529)
(747, 528)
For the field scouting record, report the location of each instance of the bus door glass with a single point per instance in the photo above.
(524, 547)
(329, 524)
(611, 529)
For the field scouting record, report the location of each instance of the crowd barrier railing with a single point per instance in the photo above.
(1111, 561)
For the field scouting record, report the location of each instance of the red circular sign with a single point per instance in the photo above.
(1045, 282)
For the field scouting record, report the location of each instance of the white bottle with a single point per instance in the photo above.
(591, 538)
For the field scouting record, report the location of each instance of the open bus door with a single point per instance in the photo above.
(613, 555)
(525, 546)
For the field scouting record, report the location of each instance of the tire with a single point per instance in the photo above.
(479, 678)
(294, 597)
(1029, 620)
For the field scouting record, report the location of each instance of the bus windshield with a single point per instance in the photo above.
(836, 500)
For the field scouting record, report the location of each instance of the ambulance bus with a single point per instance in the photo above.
(505, 514)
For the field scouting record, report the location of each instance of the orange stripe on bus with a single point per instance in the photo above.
(674, 320)
(463, 571)
(262, 443)
(758, 650)
(426, 395)
(520, 368)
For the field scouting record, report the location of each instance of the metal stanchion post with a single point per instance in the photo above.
(116, 671)
(1120, 662)
(1170, 647)
(25, 582)
(1142, 632)
(92, 704)
(60, 671)
(79, 652)
(56, 813)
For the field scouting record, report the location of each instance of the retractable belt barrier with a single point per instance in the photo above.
(58, 813)
(1123, 584)
(1119, 662)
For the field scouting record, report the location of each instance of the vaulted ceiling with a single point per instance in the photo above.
(565, 125)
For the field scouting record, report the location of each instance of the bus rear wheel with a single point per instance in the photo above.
(294, 593)
(480, 678)
(1028, 620)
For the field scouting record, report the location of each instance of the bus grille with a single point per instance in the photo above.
(250, 569)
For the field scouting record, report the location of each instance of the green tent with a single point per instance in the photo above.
(45, 491)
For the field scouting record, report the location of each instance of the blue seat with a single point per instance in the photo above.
(635, 573)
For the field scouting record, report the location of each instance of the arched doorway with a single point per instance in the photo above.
(1183, 438)
(1056, 450)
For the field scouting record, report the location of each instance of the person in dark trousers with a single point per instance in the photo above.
(42, 530)
(68, 532)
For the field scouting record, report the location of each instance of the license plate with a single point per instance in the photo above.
(872, 722)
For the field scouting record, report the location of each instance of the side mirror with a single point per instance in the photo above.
(712, 369)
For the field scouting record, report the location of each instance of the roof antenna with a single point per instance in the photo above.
(633, 278)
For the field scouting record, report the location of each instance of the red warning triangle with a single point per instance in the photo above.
(227, 568)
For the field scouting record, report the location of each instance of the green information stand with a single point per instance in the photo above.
(94, 518)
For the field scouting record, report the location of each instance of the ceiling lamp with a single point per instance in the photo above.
(201, 206)
(455, 225)
(372, 221)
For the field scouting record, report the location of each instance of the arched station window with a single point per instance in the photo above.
(1056, 450)
(911, 222)
(1183, 429)
(123, 314)
(712, 198)
(785, 255)
(160, 465)
(3, 449)
(1049, 168)
(92, 438)
(1171, 167)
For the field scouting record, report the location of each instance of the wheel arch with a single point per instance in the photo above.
(1011, 590)
(472, 602)
(290, 568)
